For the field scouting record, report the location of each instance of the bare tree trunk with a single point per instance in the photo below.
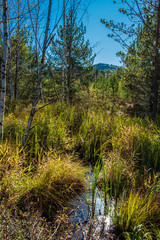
(64, 60)
(36, 33)
(37, 94)
(70, 53)
(10, 65)
(156, 68)
(17, 55)
(3, 68)
(36, 40)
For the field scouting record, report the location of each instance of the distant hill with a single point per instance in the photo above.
(104, 66)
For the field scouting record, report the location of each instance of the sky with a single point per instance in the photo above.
(105, 47)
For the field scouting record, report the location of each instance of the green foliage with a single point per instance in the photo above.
(52, 182)
(136, 235)
(78, 53)
(140, 81)
(46, 170)
(28, 66)
(134, 210)
(93, 136)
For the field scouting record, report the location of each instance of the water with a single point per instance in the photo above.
(80, 225)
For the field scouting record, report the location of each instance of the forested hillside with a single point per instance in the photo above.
(79, 141)
(105, 67)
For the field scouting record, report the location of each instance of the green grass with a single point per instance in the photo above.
(137, 209)
(50, 183)
(48, 171)
(136, 234)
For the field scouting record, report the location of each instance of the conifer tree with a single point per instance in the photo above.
(78, 52)
(145, 16)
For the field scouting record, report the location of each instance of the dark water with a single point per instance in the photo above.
(80, 224)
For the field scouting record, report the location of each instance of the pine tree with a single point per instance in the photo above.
(142, 59)
(78, 52)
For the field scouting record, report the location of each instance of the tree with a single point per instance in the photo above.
(16, 90)
(146, 17)
(38, 87)
(27, 67)
(138, 73)
(155, 84)
(17, 25)
(113, 84)
(64, 60)
(3, 68)
(10, 76)
(78, 52)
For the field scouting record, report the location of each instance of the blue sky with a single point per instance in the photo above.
(105, 47)
(97, 33)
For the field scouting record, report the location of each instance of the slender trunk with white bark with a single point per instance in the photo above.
(38, 88)
(10, 64)
(3, 68)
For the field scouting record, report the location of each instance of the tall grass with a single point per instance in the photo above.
(93, 136)
(128, 148)
(136, 234)
(135, 209)
(54, 180)
(105, 184)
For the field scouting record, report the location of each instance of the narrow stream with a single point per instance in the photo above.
(79, 223)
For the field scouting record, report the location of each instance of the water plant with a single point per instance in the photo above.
(94, 185)
(124, 150)
(137, 234)
(134, 210)
(105, 184)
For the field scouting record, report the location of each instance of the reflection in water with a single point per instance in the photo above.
(80, 224)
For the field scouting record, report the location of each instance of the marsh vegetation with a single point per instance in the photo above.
(40, 178)
(70, 131)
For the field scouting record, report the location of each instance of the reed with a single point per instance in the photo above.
(105, 184)
(125, 151)
(134, 210)
(136, 234)
(94, 185)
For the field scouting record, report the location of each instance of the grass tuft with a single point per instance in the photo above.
(55, 180)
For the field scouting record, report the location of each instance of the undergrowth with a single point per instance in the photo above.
(48, 171)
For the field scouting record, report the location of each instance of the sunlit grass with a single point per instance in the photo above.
(135, 209)
(51, 184)
(47, 172)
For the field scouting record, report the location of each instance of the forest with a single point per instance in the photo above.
(79, 141)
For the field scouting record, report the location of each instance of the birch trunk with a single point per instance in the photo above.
(10, 64)
(3, 68)
(38, 88)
